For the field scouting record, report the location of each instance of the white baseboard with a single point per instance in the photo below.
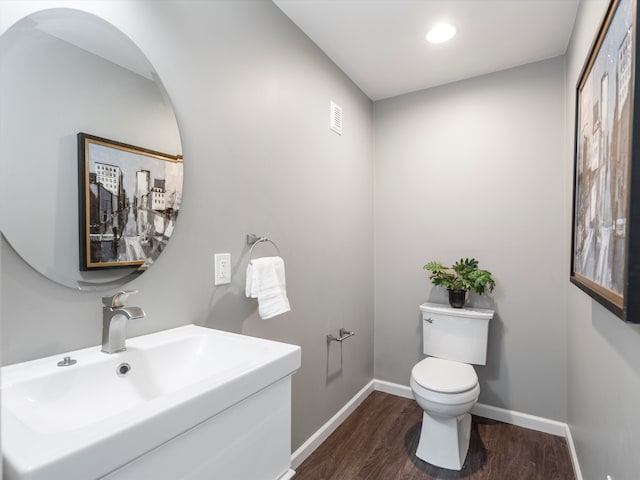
(519, 419)
(288, 475)
(573, 454)
(314, 441)
(393, 388)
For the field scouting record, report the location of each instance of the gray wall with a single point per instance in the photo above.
(603, 360)
(474, 169)
(251, 95)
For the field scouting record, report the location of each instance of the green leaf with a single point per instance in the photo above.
(463, 275)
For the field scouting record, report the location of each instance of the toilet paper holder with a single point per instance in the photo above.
(344, 334)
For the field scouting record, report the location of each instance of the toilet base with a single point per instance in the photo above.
(444, 441)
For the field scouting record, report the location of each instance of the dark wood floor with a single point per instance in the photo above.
(379, 440)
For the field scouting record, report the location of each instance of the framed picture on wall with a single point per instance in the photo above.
(129, 199)
(605, 259)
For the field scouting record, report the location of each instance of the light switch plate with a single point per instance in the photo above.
(222, 268)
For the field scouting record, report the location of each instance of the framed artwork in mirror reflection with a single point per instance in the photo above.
(606, 210)
(129, 199)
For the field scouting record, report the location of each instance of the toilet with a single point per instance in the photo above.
(445, 384)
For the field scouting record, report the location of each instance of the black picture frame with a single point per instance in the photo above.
(129, 198)
(605, 255)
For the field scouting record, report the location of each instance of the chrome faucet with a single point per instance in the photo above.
(114, 320)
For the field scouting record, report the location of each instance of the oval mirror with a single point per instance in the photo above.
(90, 151)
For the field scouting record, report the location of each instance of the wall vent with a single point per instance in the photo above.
(335, 118)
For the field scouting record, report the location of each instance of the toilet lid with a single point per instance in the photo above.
(444, 376)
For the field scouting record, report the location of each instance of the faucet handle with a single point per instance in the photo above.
(118, 300)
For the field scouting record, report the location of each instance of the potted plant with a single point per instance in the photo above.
(463, 276)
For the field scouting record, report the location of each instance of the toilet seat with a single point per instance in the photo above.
(445, 382)
(444, 376)
(444, 399)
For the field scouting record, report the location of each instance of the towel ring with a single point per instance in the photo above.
(254, 240)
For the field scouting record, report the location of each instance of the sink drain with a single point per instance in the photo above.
(123, 369)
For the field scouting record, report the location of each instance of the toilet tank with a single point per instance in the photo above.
(458, 334)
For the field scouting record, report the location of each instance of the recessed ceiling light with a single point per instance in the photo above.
(441, 33)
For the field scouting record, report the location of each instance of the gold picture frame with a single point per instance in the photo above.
(129, 199)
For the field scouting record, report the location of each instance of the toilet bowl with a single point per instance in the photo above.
(445, 385)
(446, 391)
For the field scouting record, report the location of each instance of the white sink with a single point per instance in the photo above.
(86, 420)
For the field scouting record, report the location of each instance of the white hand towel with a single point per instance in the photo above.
(266, 282)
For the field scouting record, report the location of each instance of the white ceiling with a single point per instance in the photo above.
(381, 46)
